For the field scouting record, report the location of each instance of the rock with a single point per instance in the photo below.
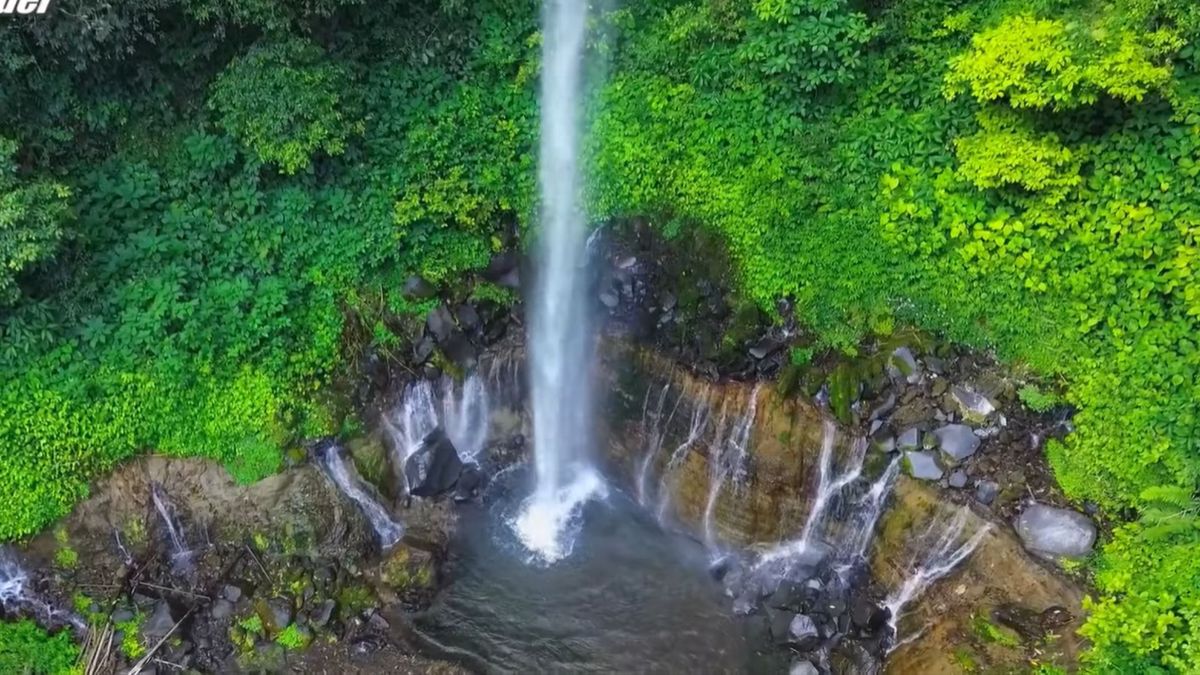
(958, 479)
(609, 298)
(883, 442)
(222, 609)
(459, 350)
(803, 667)
(834, 606)
(377, 623)
(884, 407)
(434, 468)
(986, 491)
(764, 348)
(957, 441)
(278, 614)
(910, 439)
(424, 349)
(323, 613)
(416, 288)
(789, 595)
(431, 372)
(1051, 532)
(121, 616)
(903, 364)
(467, 317)
(440, 323)
(469, 482)
(781, 625)
(868, 615)
(501, 265)
(922, 465)
(231, 593)
(974, 407)
(802, 632)
(159, 624)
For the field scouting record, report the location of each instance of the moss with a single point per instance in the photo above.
(293, 638)
(991, 633)
(131, 639)
(965, 660)
(65, 556)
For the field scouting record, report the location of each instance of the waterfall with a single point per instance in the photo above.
(695, 430)
(17, 596)
(936, 559)
(386, 528)
(166, 511)
(463, 412)
(654, 429)
(729, 460)
(560, 334)
(867, 515)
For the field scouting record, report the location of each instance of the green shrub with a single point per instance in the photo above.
(26, 649)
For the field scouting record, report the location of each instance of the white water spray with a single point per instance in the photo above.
(179, 548)
(937, 560)
(462, 411)
(729, 461)
(695, 431)
(560, 337)
(654, 431)
(386, 528)
(17, 597)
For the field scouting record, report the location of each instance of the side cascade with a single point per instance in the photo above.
(462, 411)
(387, 529)
(729, 461)
(653, 432)
(181, 553)
(17, 597)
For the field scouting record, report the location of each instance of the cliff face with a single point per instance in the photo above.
(999, 608)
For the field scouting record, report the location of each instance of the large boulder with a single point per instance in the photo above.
(922, 465)
(957, 441)
(1052, 532)
(433, 469)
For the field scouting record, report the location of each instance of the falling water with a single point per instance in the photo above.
(862, 524)
(781, 559)
(424, 406)
(936, 560)
(386, 528)
(654, 430)
(179, 548)
(729, 460)
(17, 597)
(560, 336)
(695, 431)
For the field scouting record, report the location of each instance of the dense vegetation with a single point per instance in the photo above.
(207, 207)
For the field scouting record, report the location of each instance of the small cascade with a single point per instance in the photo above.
(386, 528)
(696, 427)
(17, 597)
(654, 429)
(935, 560)
(180, 552)
(729, 461)
(866, 516)
(464, 413)
(780, 560)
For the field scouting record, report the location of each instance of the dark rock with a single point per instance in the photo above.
(886, 406)
(231, 593)
(121, 616)
(440, 323)
(867, 615)
(803, 633)
(903, 365)
(159, 623)
(500, 265)
(279, 614)
(221, 609)
(910, 439)
(764, 348)
(416, 288)
(974, 407)
(468, 318)
(434, 468)
(323, 613)
(469, 482)
(986, 491)
(957, 441)
(884, 442)
(958, 479)
(789, 595)
(834, 606)
(1051, 532)
(423, 349)
(430, 371)
(781, 624)
(377, 623)
(720, 568)
(459, 350)
(922, 465)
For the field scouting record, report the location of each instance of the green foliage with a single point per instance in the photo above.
(1038, 400)
(293, 637)
(32, 217)
(26, 649)
(990, 632)
(131, 641)
(284, 101)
